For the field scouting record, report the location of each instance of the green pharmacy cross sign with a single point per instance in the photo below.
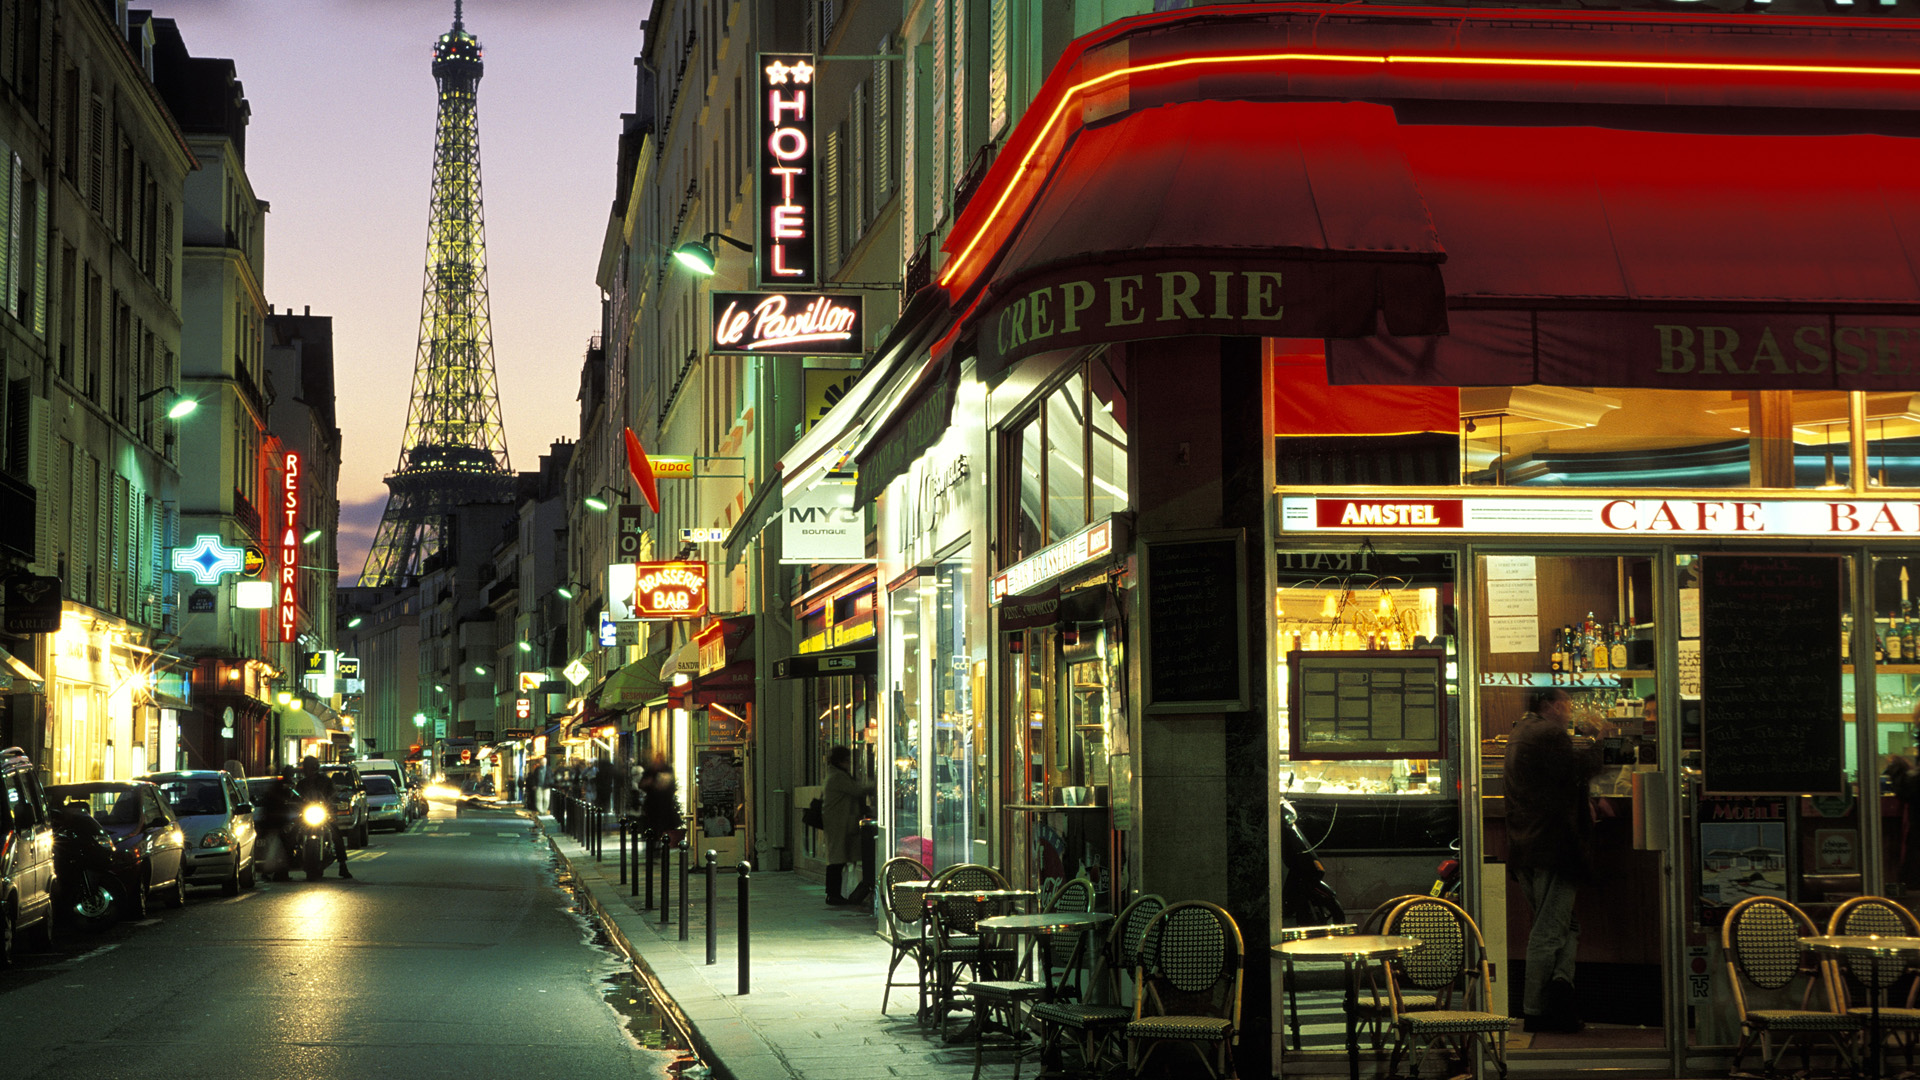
(208, 560)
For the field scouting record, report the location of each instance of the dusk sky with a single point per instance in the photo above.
(341, 146)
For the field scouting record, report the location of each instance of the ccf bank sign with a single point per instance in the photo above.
(822, 525)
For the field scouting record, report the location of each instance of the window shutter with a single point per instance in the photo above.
(857, 164)
(956, 104)
(97, 157)
(40, 269)
(882, 128)
(999, 45)
(831, 198)
(940, 184)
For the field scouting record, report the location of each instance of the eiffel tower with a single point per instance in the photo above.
(455, 449)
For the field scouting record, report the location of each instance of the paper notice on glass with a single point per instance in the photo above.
(1689, 667)
(1514, 633)
(1500, 567)
(1690, 613)
(1512, 596)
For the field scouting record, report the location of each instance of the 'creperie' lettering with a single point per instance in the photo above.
(1093, 304)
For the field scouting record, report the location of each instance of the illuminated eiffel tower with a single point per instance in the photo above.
(455, 449)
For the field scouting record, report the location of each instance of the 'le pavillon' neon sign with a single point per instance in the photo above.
(804, 324)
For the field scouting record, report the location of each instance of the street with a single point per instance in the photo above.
(451, 953)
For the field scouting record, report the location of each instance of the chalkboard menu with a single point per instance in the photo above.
(1770, 674)
(1193, 649)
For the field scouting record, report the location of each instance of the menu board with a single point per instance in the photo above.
(1194, 655)
(1367, 705)
(1770, 674)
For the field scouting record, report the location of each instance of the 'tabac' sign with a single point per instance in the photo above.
(669, 590)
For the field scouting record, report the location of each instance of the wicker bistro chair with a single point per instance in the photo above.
(1373, 1011)
(1094, 1022)
(906, 924)
(1012, 989)
(954, 947)
(1761, 937)
(1450, 964)
(1876, 915)
(1187, 986)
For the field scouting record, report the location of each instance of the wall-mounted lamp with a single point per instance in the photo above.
(697, 256)
(181, 405)
(355, 621)
(569, 590)
(524, 646)
(312, 536)
(600, 501)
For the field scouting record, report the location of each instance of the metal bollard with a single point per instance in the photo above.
(684, 891)
(713, 930)
(599, 832)
(652, 843)
(666, 878)
(746, 940)
(623, 851)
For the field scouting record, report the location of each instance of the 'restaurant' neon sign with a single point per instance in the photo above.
(289, 568)
(786, 171)
(810, 324)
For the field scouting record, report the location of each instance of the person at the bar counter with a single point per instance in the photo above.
(1549, 845)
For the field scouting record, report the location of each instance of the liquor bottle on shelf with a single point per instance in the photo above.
(1617, 650)
(1907, 630)
(1558, 660)
(1596, 643)
(1846, 638)
(1896, 645)
(1879, 647)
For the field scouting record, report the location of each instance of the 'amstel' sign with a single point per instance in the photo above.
(669, 590)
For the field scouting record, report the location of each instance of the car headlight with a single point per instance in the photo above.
(216, 838)
(314, 814)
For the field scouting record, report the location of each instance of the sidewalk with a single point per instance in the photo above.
(813, 1012)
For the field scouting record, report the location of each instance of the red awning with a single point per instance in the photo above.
(1261, 218)
(1591, 256)
(1304, 404)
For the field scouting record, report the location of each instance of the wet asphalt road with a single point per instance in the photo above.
(452, 953)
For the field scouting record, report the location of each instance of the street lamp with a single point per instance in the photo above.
(569, 590)
(697, 256)
(181, 405)
(312, 536)
(600, 501)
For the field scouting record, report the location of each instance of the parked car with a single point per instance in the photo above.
(26, 856)
(216, 814)
(412, 791)
(349, 803)
(147, 837)
(387, 808)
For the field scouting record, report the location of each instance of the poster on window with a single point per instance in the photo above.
(1744, 849)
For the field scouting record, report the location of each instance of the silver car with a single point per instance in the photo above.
(387, 807)
(217, 817)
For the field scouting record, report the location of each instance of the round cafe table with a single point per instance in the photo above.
(1877, 948)
(1351, 950)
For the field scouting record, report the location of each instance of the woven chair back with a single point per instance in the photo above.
(1874, 915)
(963, 876)
(1190, 960)
(1763, 934)
(904, 905)
(1072, 895)
(1444, 954)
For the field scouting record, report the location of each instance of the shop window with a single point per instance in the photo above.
(1067, 460)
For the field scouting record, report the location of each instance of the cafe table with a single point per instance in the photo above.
(1044, 926)
(1353, 950)
(1877, 949)
(932, 898)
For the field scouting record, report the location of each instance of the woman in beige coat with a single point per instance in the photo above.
(840, 804)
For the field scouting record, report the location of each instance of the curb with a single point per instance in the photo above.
(709, 1054)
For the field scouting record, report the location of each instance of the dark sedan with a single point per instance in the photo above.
(147, 837)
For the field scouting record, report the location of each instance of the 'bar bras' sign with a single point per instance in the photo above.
(786, 171)
(793, 324)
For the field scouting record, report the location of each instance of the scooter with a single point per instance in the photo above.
(1305, 897)
(1446, 876)
(310, 837)
(85, 866)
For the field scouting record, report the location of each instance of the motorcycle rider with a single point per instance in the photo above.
(316, 786)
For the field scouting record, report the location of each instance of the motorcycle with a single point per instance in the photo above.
(86, 868)
(1305, 897)
(310, 837)
(1446, 876)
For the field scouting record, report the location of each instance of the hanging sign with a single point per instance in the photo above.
(289, 544)
(1586, 516)
(786, 240)
(668, 590)
(33, 604)
(208, 559)
(822, 525)
(796, 324)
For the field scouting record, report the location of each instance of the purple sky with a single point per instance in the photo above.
(341, 145)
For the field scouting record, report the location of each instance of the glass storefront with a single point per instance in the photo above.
(940, 790)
